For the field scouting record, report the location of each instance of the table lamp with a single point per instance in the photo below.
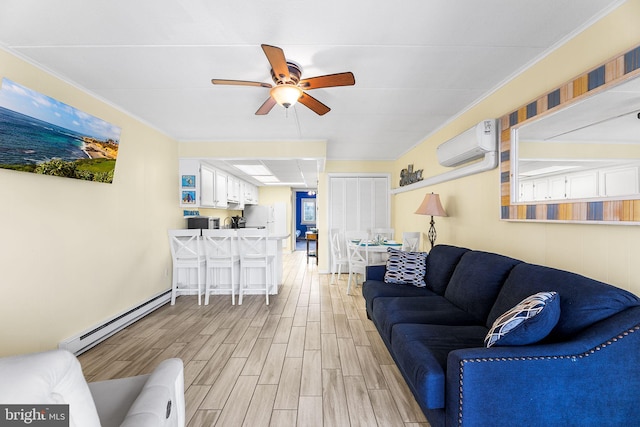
(431, 206)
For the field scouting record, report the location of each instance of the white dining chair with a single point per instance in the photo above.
(221, 254)
(356, 244)
(254, 253)
(411, 241)
(186, 254)
(338, 253)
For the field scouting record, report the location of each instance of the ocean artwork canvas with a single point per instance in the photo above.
(41, 135)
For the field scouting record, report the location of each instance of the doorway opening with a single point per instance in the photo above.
(304, 201)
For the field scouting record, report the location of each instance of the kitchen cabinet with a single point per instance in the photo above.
(233, 189)
(250, 194)
(582, 185)
(220, 195)
(610, 182)
(207, 186)
(202, 185)
(617, 182)
(213, 188)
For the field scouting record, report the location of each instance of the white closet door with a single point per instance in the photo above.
(359, 202)
(337, 203)
(380, 211)
(366, 198)
(351, 210)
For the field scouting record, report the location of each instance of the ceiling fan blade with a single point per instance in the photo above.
(239, 83)
(278, 62)
(330, 80)
(266, 107)
(316, 106)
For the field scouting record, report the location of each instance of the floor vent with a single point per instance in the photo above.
(91, 337)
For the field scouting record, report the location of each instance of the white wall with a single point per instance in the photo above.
(74, 253)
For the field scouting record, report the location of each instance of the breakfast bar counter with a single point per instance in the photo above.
(255, 280)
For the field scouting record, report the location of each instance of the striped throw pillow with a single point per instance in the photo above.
(526, 323)
(406, 268)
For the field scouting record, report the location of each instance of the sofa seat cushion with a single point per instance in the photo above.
(583, 301)
(434, 309)
(477, 280)
(421, 354)
(372, 289)
(114, 397)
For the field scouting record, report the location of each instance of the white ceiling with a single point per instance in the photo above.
(417, 63)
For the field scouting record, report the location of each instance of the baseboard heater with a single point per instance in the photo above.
(93, 336)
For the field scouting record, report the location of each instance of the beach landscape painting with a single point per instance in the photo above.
(41, 135)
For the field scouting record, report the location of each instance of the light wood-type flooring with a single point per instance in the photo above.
(309, 358)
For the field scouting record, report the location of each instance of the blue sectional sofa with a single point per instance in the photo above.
(584, 372)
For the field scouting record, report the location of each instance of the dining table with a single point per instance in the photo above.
(375, 248)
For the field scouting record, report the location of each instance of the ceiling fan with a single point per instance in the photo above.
(288, 88)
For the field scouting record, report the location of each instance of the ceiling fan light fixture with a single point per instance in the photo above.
(286, 94)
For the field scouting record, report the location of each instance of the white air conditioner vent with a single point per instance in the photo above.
(470, 144)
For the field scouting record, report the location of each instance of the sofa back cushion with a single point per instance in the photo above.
(583, 301)
(476, 281)
(441, 263)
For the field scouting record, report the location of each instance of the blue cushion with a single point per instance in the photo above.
(406, 268)
(583, 301)
(526, 323)
(373, 289)
(441, 263)
(477, 280)
(434, 309)
(421, 353)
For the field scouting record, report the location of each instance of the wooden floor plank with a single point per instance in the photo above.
(235, 412)
(334, 399)
(261, 406)
(289, 385)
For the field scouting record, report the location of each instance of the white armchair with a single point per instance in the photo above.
(55, 377)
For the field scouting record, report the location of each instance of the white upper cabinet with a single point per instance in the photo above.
(233, 189)
(213, 188)
(250, 194)
(220, 195)
(207, 186)
(202, 185)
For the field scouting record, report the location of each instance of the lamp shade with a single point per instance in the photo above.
(431, 206)
(286, 94)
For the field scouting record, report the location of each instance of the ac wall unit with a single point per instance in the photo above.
(470, 144)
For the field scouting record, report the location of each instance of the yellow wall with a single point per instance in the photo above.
(605, 252)
(574, 150)
(74, 253)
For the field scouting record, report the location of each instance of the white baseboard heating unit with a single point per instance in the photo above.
(95, 335)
